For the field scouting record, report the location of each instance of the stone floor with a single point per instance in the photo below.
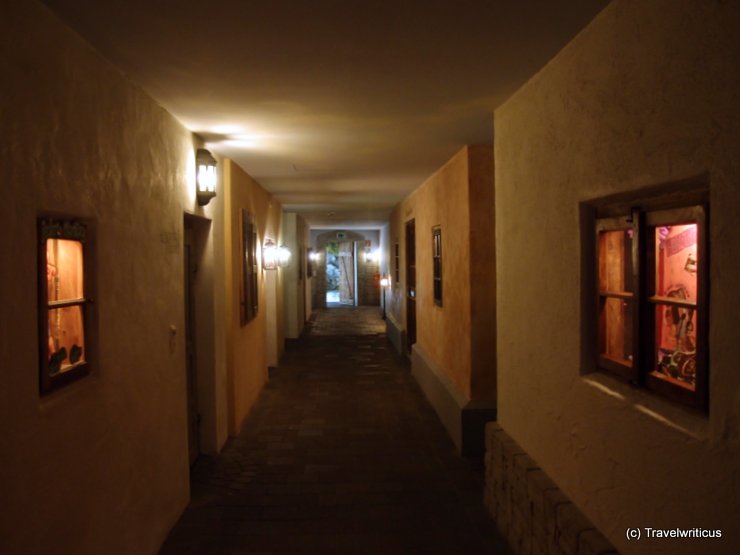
(347, 320)
(341, 455)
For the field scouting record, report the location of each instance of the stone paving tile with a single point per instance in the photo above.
(347, 320)
(339, 458)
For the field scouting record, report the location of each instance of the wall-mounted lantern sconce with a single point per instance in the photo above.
(313, 258)
(283, 255)
(385, 281)
(372, 256)
(205, 176)
(269, 255)
(274, 256)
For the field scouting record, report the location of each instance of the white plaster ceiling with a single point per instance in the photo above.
(340, 108)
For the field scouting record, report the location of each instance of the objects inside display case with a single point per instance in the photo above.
(675, 299)
(65, 298)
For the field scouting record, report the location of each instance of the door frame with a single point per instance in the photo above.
(410, 240)
(198, 232)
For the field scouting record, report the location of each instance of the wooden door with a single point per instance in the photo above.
(410, 284)
(193, 416)
(346, 272)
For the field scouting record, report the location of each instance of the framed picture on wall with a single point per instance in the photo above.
(248, 293)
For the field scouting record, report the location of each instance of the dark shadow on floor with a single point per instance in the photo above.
(341, 454)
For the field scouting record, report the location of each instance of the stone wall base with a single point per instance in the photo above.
(534, 516)
(396, 334)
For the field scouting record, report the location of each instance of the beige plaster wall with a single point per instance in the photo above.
(647, 94)
(442, 332)
(100, 466)
(247, 345)
(295, 231)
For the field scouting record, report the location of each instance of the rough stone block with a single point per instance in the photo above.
(553, 548)
(491, 505)
(592, 542)
(537, 484)
(570, 522)
(538, 547)
(520, 524)
(498, 473)
(525, 547)
(522, 464)
(553, 499)
(510, 448)
(530, 511)
(540, 539)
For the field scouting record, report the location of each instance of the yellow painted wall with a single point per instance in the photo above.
(445, 333)
(646, 94)
(246, 345)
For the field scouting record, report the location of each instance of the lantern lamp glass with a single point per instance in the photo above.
(206, 176)
(269, 255)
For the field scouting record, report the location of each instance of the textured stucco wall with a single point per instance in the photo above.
(647, 94)
(290, 274)
(443, 332)
(247, 350)
(100, 466)
(294, 274)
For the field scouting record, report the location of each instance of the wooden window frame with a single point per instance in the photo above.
(73, 230)
(437, 265)
(619, 223)
(643, 220)
(397, 261)
(698, 398)
(249, 291)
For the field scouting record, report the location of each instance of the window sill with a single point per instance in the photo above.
(688, 422)
(69, 394)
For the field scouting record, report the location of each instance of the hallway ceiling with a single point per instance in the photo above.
(339, 108)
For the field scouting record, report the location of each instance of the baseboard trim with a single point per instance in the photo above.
(463, 419)
(395, 334)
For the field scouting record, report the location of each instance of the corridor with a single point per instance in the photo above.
(541, 199)
(341, 454)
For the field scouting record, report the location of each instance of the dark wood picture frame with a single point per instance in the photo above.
(74, 230)
(248, 291)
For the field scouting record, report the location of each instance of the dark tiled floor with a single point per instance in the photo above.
(341, 454)
(347, 320)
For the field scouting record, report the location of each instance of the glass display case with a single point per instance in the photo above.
(62, 303)
(674, 294)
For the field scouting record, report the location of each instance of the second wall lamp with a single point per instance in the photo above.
(274, 256)
(205, 176)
